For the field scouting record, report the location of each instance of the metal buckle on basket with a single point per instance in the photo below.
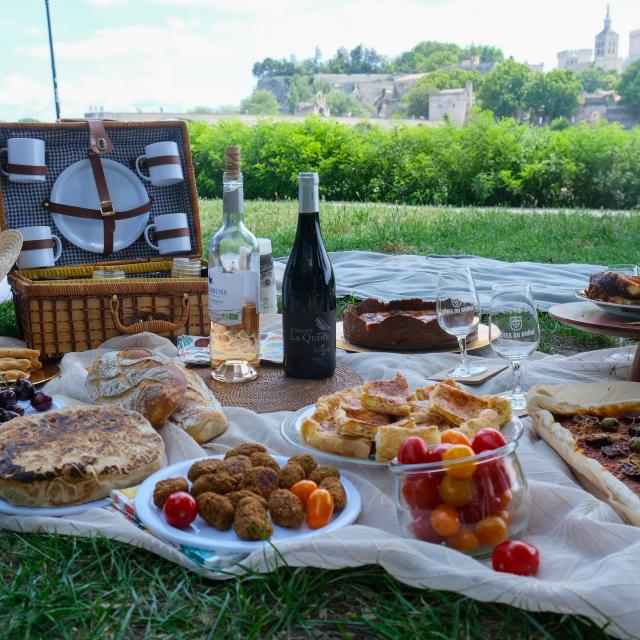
(107, 209)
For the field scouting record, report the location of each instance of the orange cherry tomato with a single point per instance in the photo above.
(454, 436)
(463, 540)
(505, 498)
(456, 492)
(507, 516)
(445, 520)
(319, 508)
(303, 490)
(491, 531)
(461, 469)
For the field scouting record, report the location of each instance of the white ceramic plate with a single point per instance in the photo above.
(76, 186)
(199, 534)
(629, 311)
(292, 425)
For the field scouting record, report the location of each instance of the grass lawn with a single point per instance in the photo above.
(72, 588)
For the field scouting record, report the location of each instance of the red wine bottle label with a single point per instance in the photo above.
(310, 335)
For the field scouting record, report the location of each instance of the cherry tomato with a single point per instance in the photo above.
(303, 490)
(491, 531)
(413, 450)
(463, 540)
(481, 505)
(454, 436)
(319, 508)
(436, 453)
(488, 439)
(422, 492)
(500, 476)
(505, 498)
(445, 520)
(180, 509)
(459, 469)
(516, 557)
(422, 529)
(455, 492)
(507, 516)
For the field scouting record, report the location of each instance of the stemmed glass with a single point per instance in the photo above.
(513, 312)
(458, 310)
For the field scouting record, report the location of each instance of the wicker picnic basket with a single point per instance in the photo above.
(62, 308)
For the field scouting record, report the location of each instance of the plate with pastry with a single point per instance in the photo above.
(614, 292)
(20, 363)
(368, 423)
(240, 501)
(627, 310)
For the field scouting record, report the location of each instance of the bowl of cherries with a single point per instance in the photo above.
(22, 398)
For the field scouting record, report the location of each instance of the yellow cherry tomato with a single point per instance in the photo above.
(456, 492)
(454, 436)
(491, 531)
(459, 469)
(445, 520)
(303, 489)
(463, 540)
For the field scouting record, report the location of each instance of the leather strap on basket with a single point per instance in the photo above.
(99, 140)
(171, 233)
(106, 205)
(30, 245)
(158, 160)
(26, 169)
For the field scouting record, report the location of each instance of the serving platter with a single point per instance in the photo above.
(199, 534)
(48, 372)
(629, 311)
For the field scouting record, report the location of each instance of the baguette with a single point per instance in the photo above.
(22, 364)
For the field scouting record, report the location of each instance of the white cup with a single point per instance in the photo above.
(171, 233)
(26, 157)
(163, 162)
(37, 248)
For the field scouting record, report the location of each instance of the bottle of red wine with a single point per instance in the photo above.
(309, 294)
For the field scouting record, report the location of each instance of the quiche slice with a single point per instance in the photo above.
(324, 436)
(387, 396)
(455, 404)
(389, 438)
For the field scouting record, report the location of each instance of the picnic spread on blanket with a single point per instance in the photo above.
(158, 398)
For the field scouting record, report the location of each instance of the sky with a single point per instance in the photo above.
(127, 55)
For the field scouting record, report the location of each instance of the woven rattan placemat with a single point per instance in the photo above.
(273, 391)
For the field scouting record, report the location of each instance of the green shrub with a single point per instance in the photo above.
(484, 163)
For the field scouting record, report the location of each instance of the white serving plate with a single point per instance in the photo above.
(628, 311)
(199, 534)
(76, 186)
(291, 427)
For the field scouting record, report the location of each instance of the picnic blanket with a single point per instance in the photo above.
(366, 274)
(588, 555)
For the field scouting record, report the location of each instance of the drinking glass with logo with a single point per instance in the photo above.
(458, 310)
(623, 269)
(513, 312)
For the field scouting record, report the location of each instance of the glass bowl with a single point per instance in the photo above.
(470, 504)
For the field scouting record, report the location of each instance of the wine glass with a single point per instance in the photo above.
(458, 310)
(513, 312)
(623, 269)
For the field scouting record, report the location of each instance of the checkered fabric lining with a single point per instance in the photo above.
(23, 203)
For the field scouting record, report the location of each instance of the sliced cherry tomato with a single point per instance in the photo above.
(422, 492)
(516, 557)
(303, 489)
(459, 469)
(491, 531)
(488, 439)
(180, 509)
(413, 450)
(445, 520)
(455, 492)
(454, 436)
(422, 529)
(463, 540)
(319, 508)
(436, 453)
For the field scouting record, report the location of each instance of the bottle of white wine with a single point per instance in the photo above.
(309, 294)
(234, 284)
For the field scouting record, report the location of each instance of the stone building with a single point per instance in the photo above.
(454, 104)
(575, 59)
(634, 47)
(606, 48)
(317, 107)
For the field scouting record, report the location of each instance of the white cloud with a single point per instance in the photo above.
(23, 96)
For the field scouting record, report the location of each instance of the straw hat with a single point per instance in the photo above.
(10, 245)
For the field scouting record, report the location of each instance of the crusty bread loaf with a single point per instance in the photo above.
(136, 379)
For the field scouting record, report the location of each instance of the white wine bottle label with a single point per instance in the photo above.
(309, 335)
(229, 293)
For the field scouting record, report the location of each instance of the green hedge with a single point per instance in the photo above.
(484, 163)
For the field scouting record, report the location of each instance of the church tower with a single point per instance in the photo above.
(606, 49)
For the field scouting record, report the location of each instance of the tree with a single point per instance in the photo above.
(504, 88)
(630, 87)
(260, 102)
(486, 53)
(300, 90)
(345, 104)
(595, 78)
(553, 95)
(416, 100)
(270, 67)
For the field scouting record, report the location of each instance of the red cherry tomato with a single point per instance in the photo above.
(422, 492)
(437, 453)
(180, 509)
(516, 557)
(413, 450)
(422, 529)
(488, 439)
(500, 476)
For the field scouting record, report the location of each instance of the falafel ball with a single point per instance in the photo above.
(199, 468)
(215, 510)
(291, 473)
(236, 465)
(260, 480)
(323, 471)
(260, 459)
(217, 482)
(235, 497)
(335, 488)
(164, 488)
(245, 449)
(286, 509)
(251, 521)
(306, 461)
